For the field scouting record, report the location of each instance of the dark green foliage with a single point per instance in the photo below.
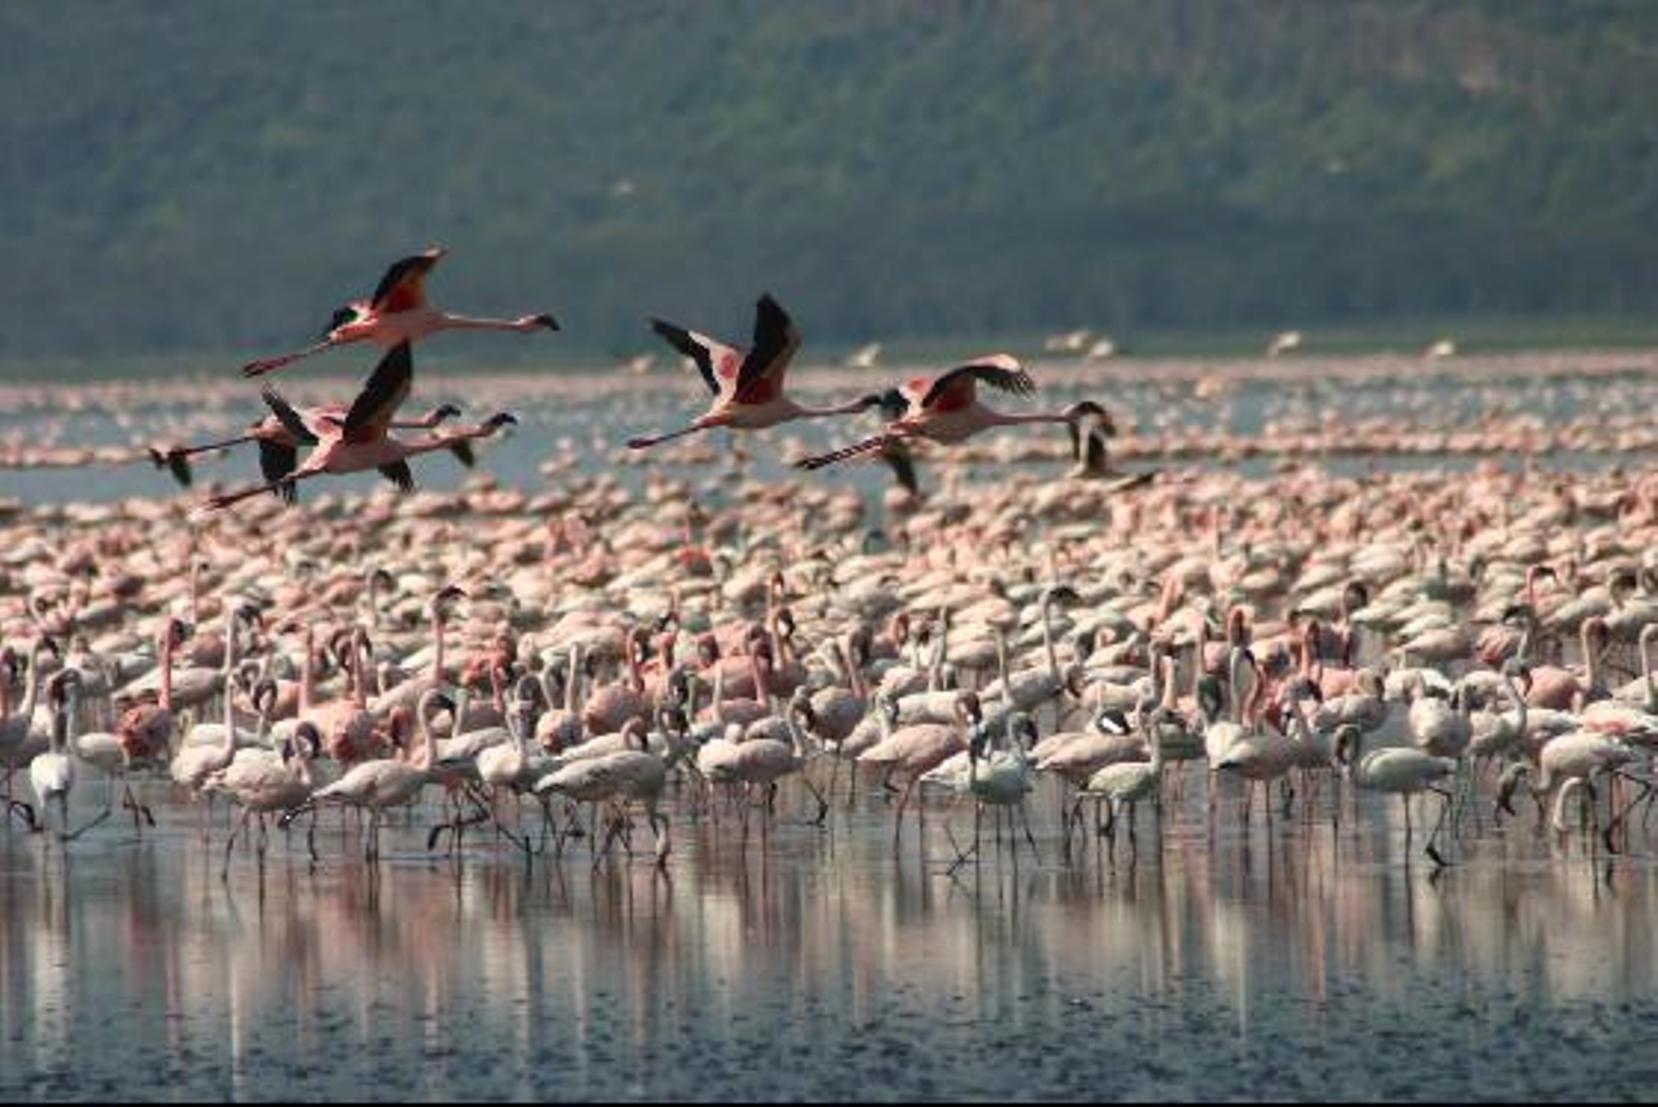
(185, 176)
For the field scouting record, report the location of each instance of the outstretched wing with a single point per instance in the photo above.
(464, 453)
(902, 463)
(292, 421)
(404, 285)
(276, 461)
(388, 386)
(398, 473)
(776, 338)
(956, 388)
(716, 361)
(174, 461)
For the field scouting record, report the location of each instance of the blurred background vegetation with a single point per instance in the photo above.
(188, 177)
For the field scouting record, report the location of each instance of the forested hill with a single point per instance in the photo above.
(189, 176)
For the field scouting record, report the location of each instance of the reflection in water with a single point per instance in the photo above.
(816, 963)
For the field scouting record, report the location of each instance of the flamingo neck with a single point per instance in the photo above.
(573, 680)
(31, 683)
(853, 407)
(230, 671)
(307, 674)
(450, 322)
(437, 649)
(1010, 419)
(167, 668)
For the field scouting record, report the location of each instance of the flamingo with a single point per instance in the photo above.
(385, 783)
(1127, 783)
(266, 785)
(52, 774)
(16, 728)
(279, 447)
(362, 440)
(946, 409)
(918, 749)
(1089, 454)
(747, 386)
(398, 312)
(145, 731)
(1403, 771)
(193, 764)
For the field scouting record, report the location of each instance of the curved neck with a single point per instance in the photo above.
(572, 680)
(1646, 667)
(167, 667)
(60, 724)
(1591, 659)
(230, 687)
(307, 673)
(31, 683)
(1519, 701)
(1048, 638)
(854, 675)
(1233, 670)
(437, 649)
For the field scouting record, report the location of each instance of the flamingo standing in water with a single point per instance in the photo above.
(397, 312)
(361, 441)
(747, 387)
(946, 408)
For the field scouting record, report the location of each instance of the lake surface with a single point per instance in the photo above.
(579, 418)
(1317, 962)
(1313, 962)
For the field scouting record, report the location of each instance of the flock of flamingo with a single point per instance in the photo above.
(1291, 642)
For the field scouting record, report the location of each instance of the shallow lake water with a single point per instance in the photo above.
(811, 962)
(807, 962)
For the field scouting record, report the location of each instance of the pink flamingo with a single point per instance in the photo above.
(279, 447)
(362, 440)
(747, 387)
(946, 408)
(397, 313)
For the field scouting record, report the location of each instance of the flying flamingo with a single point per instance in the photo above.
(278, 446)
(397, 313)
(946, 408)
(362, 440)
(747, 387)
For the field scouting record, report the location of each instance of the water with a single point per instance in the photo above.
(1314, 963)
(812, 963)
(580, 418)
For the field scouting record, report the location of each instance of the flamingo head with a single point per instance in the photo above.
(500, 419)
(1508, 783)
(1349, 739)
(1090, 411)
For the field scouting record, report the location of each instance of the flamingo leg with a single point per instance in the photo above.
(646, 441)
(1432, 852)
(265, 365)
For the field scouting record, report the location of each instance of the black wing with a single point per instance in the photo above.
(402, 271)
(775, 337)
(899, 459)
(176, 462)
(398, 473)
(686, 342)
(285, 414)
(276, 461)
(464, 453)
(998, 371)
(388, 386)
(1096, 462)
(341, 316)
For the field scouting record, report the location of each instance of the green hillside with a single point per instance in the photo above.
(195, 176)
